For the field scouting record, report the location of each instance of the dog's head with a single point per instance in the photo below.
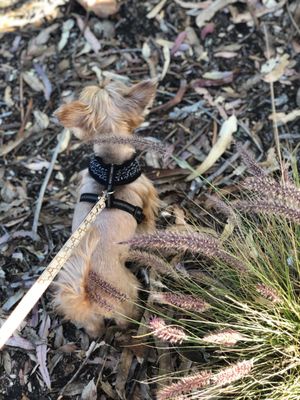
(110, 108)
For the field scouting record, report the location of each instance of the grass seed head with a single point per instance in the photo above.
(167, 333)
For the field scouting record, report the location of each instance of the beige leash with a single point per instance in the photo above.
(38, 288)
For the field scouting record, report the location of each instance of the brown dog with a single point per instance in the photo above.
(95, 284)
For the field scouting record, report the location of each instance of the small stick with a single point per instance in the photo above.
(292, 18)
(25, 118)
(45, 183)
(174, 101)
(38, 288)
(77, 372)
(21, 99)
(275, 126)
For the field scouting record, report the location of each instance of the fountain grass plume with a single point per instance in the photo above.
(166, 333)
(196, 243)
(184, 301)
(150, 260)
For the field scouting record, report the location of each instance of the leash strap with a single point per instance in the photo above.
(135, 211)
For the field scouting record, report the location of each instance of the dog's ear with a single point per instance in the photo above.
(73, 115)
(143, 93)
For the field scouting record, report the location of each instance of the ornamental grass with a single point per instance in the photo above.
(238, 302)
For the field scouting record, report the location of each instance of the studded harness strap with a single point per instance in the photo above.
(111, 175)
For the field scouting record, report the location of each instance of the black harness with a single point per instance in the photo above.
(111, 175)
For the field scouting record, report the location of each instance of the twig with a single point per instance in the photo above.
(81, 33)
(88, 354)
(115, 51)
(39, 287)
(292, 18)
(21, 87)
(24, 118)
(45, 183)
(275, 126)
(176, 99)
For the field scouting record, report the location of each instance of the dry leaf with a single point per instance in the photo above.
(123, 371)
(41, 121)
(116, 77)
(214, 78)
(207, 96)
(192, 4)
(66, 28)
(219, 75)
(193, 40)
(37, 165)
(17, 341)
(167, 58)
(178, 42)
(247, 16)
(271, 163)
(37, 46)
(225, 54)
(7, 97)
(12, 300)
(6, 362)
(156, 10)
(66, 140)
(33, 81)
(180, 221)
(161, 42)
(41, 350)
(274, 68)
(88, 34)
(8, 192)
(90, 391)
(146, 51)
(29, 13)
(225, 138)
(282, 118)
(207, 14)
(209, 28)
(102, 8)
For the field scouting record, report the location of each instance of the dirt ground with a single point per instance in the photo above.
(225, 66)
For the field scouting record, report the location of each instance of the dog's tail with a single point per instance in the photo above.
(71, 296)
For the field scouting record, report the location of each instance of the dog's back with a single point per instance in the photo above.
(95, 283)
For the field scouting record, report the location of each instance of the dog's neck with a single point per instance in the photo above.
(114, 153)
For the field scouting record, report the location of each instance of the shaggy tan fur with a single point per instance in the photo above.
(95, 284)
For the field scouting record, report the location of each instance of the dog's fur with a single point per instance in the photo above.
(95, 284)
